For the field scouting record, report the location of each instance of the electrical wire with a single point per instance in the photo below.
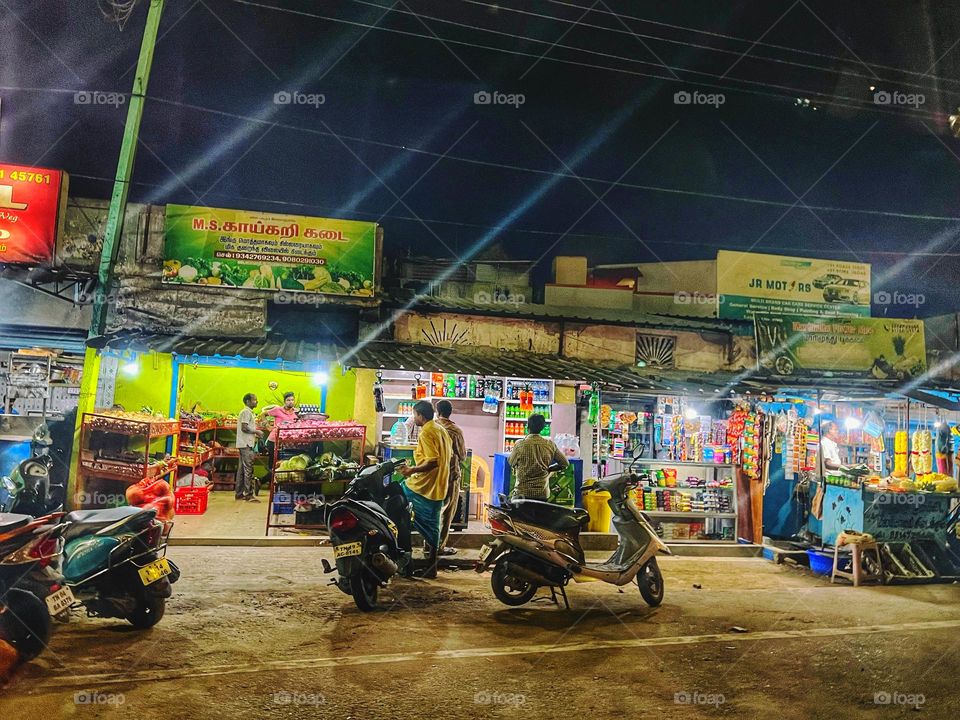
(748, 41)
(625, 31)
(855, 104)
(520, 168)
(587, 237)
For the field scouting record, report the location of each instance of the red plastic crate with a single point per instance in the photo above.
(191, 500)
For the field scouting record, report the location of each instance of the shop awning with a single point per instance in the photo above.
(424, 358)
(271, 347)
(534, 311)
(14, 337)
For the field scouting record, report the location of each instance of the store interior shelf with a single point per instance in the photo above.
(691, 514)
(663, 462)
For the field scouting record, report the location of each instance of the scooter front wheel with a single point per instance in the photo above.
(650, 582)
(509, 589)
(363, 587)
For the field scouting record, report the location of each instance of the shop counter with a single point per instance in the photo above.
(565, 490)
(888, 516)
(394, 452)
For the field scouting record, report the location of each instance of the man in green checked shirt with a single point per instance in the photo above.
(530, 459)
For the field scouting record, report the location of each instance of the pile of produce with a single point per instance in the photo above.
(324, 467)
(306, 278)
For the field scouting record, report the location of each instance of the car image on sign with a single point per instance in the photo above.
(847, 290)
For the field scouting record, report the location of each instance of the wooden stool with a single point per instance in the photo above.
(860, 544)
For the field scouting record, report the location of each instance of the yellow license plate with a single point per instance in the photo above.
(347, 550)
(154, 571)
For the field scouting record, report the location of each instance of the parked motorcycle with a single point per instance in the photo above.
(29, 552)
(28, 547)
(370, 532)
(537, 544)
(24, 629)
(115, 564)
(28, 490)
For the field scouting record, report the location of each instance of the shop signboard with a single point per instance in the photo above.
(878, 348)
(32, 204)
(214, 247)
(750, 283)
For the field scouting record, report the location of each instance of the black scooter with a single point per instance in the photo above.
(370, 532)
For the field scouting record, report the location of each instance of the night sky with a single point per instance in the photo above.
(600, 105)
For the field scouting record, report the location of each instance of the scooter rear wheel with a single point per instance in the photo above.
(24, 623)
(650, 582)
(364, 587)
(511, 590)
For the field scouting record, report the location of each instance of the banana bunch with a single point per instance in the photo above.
(900, 452)
(922, 452)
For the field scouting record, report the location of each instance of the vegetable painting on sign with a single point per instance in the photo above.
(263, 251)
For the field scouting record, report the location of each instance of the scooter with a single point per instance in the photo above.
(24, 629)
(537, 544)
(28, 490)
(115, 564)
(28, 547)
(370, 533)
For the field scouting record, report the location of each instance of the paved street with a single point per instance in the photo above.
(256, 632)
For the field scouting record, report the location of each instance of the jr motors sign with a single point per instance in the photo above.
(31, 213)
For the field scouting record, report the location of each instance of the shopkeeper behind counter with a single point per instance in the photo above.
(281, 414)
(830, 446)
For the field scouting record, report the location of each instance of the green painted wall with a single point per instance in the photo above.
(150, 387)
(223, 388)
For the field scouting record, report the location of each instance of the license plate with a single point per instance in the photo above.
(154, 571)
(347, 550)
(485, 552)
(59, 601)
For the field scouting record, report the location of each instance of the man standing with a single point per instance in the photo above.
(830, 445)
(530, 459)
(425, 483)
(247, 435)
(459, 452)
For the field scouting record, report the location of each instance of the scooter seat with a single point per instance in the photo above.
(549, 516)
(86, 522)
(12, 521)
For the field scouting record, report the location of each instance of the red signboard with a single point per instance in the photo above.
(31, 201)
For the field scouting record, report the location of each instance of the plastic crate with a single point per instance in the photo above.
(191, 501)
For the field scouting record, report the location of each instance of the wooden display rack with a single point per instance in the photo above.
(91, 467)
(193, 430)
(300, 435)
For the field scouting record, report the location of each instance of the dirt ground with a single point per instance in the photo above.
(257, 632)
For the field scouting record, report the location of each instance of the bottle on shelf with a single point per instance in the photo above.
(472, 388)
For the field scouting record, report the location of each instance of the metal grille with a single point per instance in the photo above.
(656, 350)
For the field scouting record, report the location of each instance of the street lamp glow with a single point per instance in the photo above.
(852, 423)
(131, 368)
(320, 378)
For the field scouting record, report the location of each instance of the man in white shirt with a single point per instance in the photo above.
(247, 434)
(830, 446)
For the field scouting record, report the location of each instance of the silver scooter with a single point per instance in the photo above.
(537, 544)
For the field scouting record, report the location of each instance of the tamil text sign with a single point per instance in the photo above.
(846, 347)
(267, 251)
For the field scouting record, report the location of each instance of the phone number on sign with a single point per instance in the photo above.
(25, 176)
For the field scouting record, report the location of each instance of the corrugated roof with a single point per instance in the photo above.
(554, 312)
(271, 347)
(395, 356)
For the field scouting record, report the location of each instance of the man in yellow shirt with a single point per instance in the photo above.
(426, 481)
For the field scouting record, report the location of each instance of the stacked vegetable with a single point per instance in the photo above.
(304, 277)
(325, 467)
